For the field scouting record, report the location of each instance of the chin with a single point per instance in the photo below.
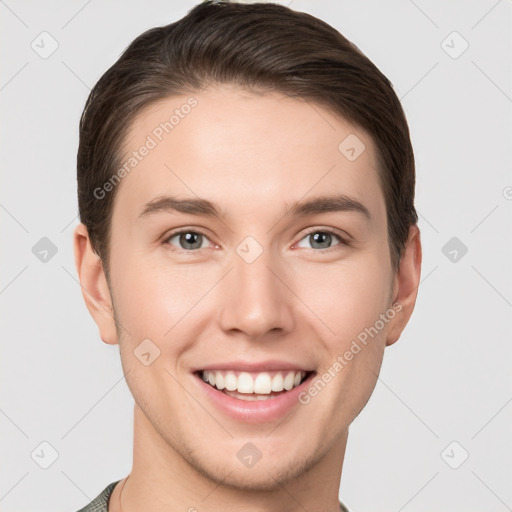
(266, 477)
(269, 474)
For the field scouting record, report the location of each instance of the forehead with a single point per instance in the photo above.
(245, 151)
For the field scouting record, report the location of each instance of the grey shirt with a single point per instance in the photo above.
(100, 503)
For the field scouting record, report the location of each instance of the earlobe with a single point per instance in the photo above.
(93, 282)
(407, 281)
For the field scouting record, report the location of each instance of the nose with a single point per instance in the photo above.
(256, 298)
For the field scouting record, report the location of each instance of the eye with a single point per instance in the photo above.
(188, 240)
(322, 239)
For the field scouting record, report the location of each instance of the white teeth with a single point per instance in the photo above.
(277, 382)
(245, 383)
(231, 381)
(289, 380)
(219, 380)
(249, 397)
(261, 384)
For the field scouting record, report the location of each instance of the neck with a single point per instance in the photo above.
(162, 479)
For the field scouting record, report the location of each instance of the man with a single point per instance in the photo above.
(249, 239)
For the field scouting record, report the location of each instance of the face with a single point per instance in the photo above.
(248, 250)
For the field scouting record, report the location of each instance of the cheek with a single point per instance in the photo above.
(156, 299)
(345, 297)
(350, 300)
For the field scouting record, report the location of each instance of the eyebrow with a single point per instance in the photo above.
(203, 207)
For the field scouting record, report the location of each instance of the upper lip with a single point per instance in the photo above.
(253, 366)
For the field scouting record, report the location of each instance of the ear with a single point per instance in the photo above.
(93, 282)
(406, 284)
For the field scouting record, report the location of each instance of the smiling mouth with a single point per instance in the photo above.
(251, 386)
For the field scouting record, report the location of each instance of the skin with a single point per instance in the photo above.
(252, 154)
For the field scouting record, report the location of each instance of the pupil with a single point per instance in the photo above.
(187, 240)
(321, 238)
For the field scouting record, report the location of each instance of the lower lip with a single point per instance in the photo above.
(257, 411)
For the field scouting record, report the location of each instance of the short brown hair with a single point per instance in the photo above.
(262, 46)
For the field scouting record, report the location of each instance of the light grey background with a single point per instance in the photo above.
(447, 379)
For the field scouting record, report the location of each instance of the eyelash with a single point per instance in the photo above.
(343, 241)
